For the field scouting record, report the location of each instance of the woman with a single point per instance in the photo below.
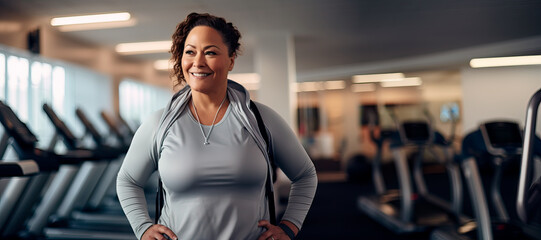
(209, 152)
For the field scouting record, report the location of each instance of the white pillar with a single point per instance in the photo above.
(274, 60)
(351, 124)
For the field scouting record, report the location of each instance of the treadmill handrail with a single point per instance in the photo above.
(527, 155)
(16, 128)
(89, 126)
(478, 198)
(113, 127)
(61, 128)
(19, 168)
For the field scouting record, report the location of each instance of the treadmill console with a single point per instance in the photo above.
(502, 138)
(415, 132)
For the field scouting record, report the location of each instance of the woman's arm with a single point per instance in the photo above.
(291, 157)
(134, 173)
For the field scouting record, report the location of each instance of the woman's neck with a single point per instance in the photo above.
(208, 106)
(208, 100)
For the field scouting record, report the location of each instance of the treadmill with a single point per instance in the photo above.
(501, 143)
(22, 170)
(529, 188)
(85, 184)
(405, 211)
(68, 164)
(120, 129)
(98, 202)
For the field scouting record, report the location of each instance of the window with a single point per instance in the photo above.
(58, 87)
(137, 100)
(29, 81)
(17, 71)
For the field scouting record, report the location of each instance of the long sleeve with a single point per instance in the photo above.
(291, 157)
(134, 173)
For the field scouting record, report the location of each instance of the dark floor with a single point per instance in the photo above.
(334, 215)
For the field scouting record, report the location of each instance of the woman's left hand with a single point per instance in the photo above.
(273, 232)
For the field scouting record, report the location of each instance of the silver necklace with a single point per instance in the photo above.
(206, 136)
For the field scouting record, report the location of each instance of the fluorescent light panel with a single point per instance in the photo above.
(505, 61)
(371, 78)
(94, 18)
(96, 26)
(334, 85)
(319, 86)
(365, 87)
(143, 47)
(405, 82)
(309, 86)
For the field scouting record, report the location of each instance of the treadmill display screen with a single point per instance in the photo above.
(416, 131)
(504, 134)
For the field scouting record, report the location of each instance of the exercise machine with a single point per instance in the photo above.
(406, 211)
(68, 165)
(529, 188)
(87, 180)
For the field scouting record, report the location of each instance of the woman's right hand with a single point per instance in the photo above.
(159, 232)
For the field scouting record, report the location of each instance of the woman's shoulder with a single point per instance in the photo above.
(151, 122)
(266, 110)
(270, 117)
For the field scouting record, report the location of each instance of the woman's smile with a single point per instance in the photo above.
(206, 60)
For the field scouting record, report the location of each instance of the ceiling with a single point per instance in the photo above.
(329, 35)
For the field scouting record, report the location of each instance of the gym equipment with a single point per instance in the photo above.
(120, 129)
(84, 186)
(501, 142)
(97, 200)
(93, 132)
(404, 211)
(22, 193)
(528, 201)
(18, 169)
(24, 144)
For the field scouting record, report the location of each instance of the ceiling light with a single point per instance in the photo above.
(308, 86)
(334, 85)
(94, 18)
(405, 82)
(505, 61)
(96, 26)
(366, 87)
(370, 78)
(143, 47)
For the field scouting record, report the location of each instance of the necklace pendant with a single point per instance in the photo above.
(206, 143)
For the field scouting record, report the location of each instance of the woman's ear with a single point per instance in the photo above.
(232, 63)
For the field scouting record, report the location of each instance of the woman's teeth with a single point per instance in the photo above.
(200, 74)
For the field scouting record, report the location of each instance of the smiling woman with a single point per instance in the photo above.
(206, 61)
(228, 39)
(211, 147)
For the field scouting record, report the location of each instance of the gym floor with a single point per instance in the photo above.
(334, 213)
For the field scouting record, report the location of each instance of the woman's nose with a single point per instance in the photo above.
(199, 60)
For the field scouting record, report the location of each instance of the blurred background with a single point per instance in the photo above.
(325, 66)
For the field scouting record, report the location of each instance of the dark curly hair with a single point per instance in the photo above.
(230, 36)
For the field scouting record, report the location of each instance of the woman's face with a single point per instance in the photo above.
(206, 61)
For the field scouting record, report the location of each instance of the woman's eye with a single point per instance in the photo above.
(210, 53)
(189, 52)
